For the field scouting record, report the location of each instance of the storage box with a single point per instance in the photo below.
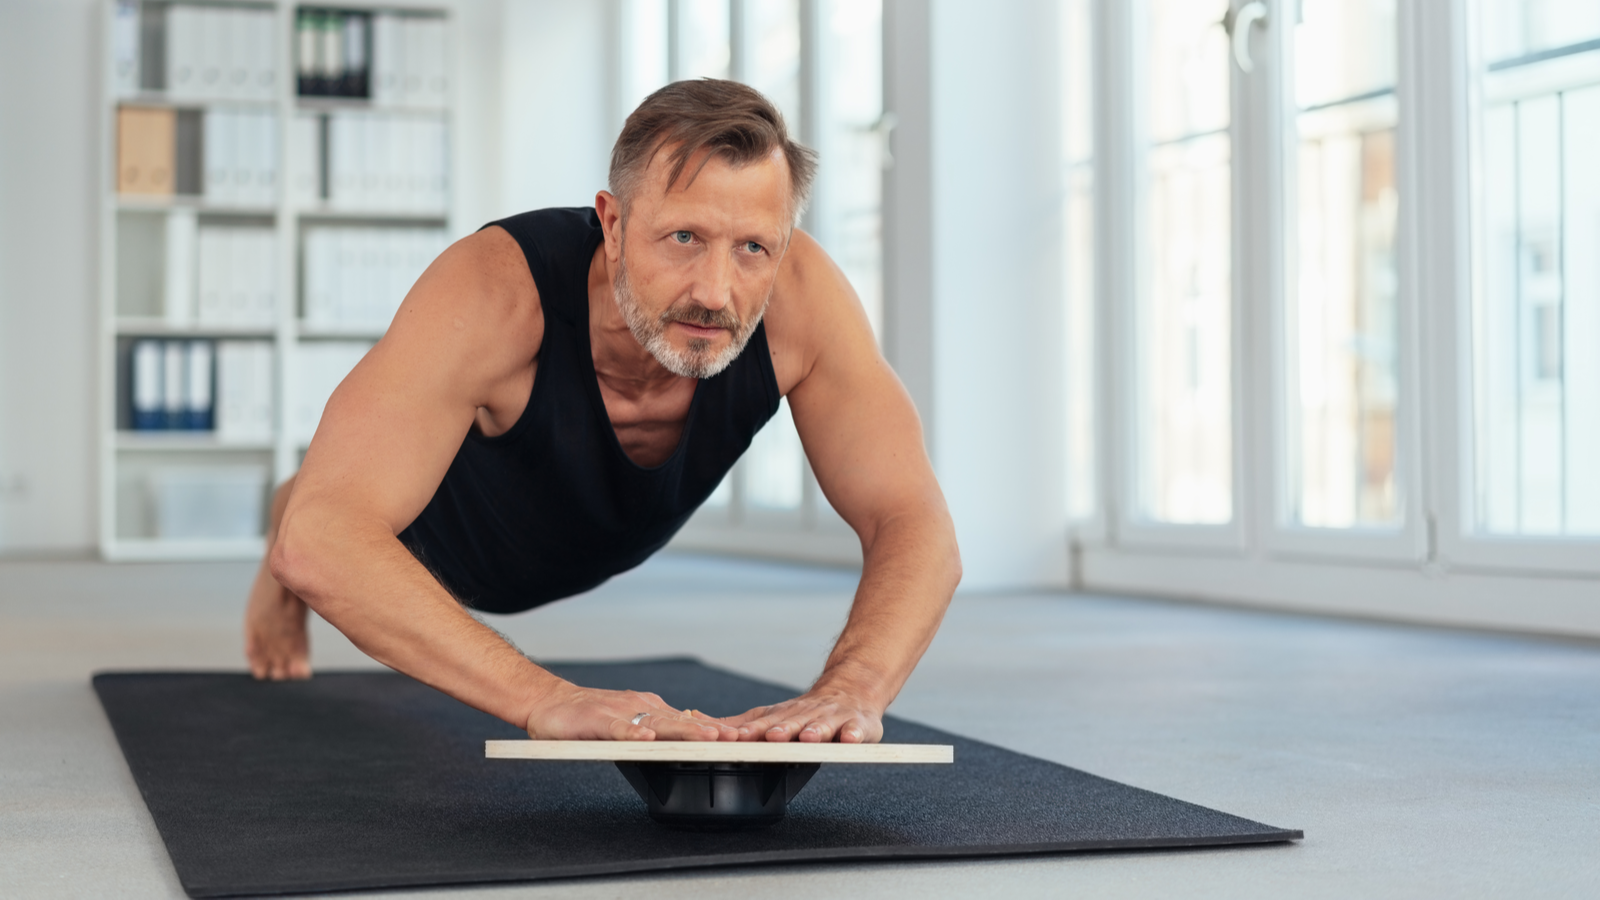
(219, 502)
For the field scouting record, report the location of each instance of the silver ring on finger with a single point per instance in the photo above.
(639, 718)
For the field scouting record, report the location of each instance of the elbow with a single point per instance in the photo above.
(294, 561)
(953, 564)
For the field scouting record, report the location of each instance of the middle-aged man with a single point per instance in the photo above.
(561, 390)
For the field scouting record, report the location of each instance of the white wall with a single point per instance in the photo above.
(997, 410)
(48, 246)
(557, 109)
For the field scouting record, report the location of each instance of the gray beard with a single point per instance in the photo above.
(697, 360)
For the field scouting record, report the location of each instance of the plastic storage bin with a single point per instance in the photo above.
(209, 502)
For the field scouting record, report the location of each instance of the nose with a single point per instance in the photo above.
(713, 288)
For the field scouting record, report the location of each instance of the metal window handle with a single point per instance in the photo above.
(1248, 15)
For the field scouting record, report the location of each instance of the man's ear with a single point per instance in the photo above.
(609, 209)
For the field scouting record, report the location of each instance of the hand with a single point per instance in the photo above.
(275, 641)
(572, 713)
(817, 716)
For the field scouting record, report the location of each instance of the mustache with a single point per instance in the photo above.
(695, 314)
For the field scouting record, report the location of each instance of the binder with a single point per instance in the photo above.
(262, 60)
(318, 301)
(330, 53)
(267, 157)
(388, 58)
(213, 44)
(388, 160)
(411, 92)
(125, 30)
(183, 72)
(244, 392)
(438, 149)
(178, 297)
(265, 290)
(146, 140)
(146, 388)
(435, 63)
(343, 180)
(355, 80)
(218, 130)
(244, 158)
(197, 398)
(305, 56)
(239, 53)
(174, 381)
(238, 261)
(211, 296)
(305, 160)
(321, 367)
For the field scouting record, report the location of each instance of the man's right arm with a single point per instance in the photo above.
(462, 341)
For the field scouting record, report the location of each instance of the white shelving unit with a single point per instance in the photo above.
(133, 260)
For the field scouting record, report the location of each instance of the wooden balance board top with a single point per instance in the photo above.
(719, 752)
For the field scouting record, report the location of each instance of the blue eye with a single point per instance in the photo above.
(682, 237)
(752, 246)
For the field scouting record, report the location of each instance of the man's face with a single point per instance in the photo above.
(697, 262)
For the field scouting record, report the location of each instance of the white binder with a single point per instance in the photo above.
(388, 59)
(213, 43)
(125, 47)
(218, 138)
(178, 282)
(183, 75)
(174, 380)
(197, 395)
(305, 160)
(146, 389)
(212, 282)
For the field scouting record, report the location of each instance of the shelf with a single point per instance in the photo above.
(142, 203)
(341, 332)
(185, 441)
(158, 550)
(143, 326)
(304, 103)
(162, 99)
(135, 230)
(330, 214)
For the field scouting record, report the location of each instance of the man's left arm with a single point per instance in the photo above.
(864, 441)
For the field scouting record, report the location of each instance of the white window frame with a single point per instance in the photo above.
(1434, 247)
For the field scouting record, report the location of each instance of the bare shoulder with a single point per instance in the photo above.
(814, 312)
(475, 308)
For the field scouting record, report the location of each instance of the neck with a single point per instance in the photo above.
(619, 359)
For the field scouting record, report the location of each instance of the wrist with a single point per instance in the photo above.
(860, 683)
(538, 696)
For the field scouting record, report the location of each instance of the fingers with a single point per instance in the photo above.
(807, 723)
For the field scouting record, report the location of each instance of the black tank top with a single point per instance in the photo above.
(554, 507)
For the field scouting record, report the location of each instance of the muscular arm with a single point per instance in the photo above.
(461, 343)
(864, 440)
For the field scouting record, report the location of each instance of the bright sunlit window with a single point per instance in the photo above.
(1183, 323)
(1536, 309)
(1342, 316)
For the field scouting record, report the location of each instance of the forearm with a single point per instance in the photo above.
(361, 579)
(910, 571)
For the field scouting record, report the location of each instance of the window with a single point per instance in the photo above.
(1345, 260)
(1077, 142)
(821, 63)
(1536, 293)
(1183, 322)
(1341, 338)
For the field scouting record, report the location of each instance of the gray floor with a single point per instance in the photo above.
(1420, 763)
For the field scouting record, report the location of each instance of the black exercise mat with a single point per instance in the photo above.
(373, 780)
